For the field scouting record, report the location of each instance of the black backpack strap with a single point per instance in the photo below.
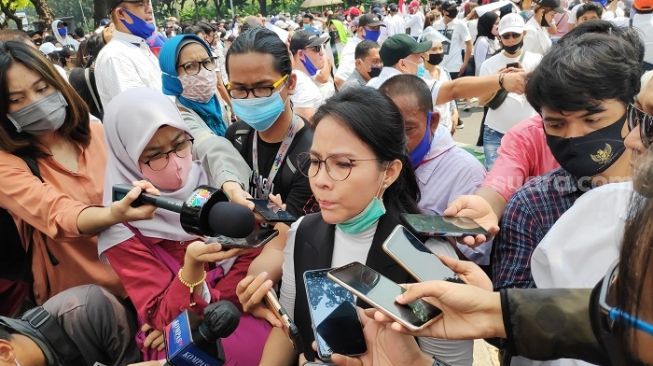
(299, 146)
(46, 325)
(240, 138)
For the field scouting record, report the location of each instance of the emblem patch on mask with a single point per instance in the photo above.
(603, 156)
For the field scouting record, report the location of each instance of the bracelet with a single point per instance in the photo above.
(191, 286)
(501, 76)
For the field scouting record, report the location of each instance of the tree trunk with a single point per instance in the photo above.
(262, 4)
(44, 12)
(100, 11)
(11, 14)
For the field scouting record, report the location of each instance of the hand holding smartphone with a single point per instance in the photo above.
(436, 225)
(271, 212)
(258, 238)
(380, 292)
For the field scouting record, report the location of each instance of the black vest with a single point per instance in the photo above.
(314, 250)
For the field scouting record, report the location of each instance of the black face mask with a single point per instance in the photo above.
(589, 155)
(544, 22)
(374, 71)
(514, 48)
(435, 58)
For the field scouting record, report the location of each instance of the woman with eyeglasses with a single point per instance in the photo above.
(190, 75)
(269, 135)
(52, 162)
(156, 260)
(361, 177)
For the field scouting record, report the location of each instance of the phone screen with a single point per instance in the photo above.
(436, 225)
(271, 212)
(513, 64)
(381, 292)
(416, 258)
(254, 240)
(337, 328)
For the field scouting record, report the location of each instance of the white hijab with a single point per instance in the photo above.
(130, 121)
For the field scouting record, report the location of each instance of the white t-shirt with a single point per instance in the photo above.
(537, 38)
(416, 23)
(484, 48)
(472, 26)
(515, 108)
(347, 59)
(644, 25)
(445, 109)
(395, 24)
(458, 33)
(307, 94)
(348, 248)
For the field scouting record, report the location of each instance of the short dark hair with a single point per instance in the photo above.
(363, 48)
(76, 126)
(79, 32)
(265, 41)
(578, 74)
(206, 27)
(589, 7)
(193, 29)
(628, 35)
(412, 85)
(376, 121)
(5, 334)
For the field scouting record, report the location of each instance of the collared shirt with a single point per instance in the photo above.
(529, 215)
(445, 173)
(537, 38)
(356, 79)
(126, 62)
(347, 59)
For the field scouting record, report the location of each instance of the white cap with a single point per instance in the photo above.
(511, 23)
(281, 24)
(47, 48)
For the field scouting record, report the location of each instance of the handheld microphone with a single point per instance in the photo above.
(192, 342)
(206, 212)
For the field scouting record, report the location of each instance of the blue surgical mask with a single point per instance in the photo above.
(368, 217)
(372, 35)
(424, 146)
(139, 27)
(421, 71)
(260, 113)
(63, 31)
(308, 64)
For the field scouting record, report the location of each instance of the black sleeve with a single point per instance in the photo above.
(548, 324)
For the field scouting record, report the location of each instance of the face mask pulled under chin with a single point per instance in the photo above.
(514, 48)
(45, 115)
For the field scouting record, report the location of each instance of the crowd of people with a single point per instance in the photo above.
(346, 120)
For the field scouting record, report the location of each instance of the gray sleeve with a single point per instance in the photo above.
(100, 325)
(217, 154)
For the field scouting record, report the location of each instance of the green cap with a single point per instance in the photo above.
(401, 46)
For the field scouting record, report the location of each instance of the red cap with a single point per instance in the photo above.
(643, 5)
(414, 4)
(353, 11)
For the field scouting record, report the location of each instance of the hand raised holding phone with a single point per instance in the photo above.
(251, 291)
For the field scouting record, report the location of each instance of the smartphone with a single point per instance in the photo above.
(257, 238)
(407, 250)
(436, 225)
(513, 64)
(271, 212)
(380, 292)
(336, 326)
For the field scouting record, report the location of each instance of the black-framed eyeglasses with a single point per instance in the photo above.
(613, 313)
(194, 67)
(510, 35)
(635, 117)
(258, 92)
(160, 160)
(338, 167)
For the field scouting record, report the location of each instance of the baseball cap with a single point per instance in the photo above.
(281, 24)
(303, 39)
(370, 20)
(511, 23)
(401, 46)
(47, 48)
(414, 4)
(353, 11)
(643, 5)
(553, 4)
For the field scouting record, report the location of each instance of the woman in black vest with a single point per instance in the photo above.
(361, 177)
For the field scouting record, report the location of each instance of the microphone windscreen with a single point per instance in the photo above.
(220, 320)
(230, 219)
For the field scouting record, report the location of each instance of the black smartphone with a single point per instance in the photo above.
(336, 326)
(418, 260)
(256, 239)
(380, 292)
(513, 64)
(436, 225)
(271, 212)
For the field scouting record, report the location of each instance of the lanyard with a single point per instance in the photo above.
(264, 189)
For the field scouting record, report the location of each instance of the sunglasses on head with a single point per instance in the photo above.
(510, 35)
(635, 117)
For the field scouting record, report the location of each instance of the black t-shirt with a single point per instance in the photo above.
(295, 192)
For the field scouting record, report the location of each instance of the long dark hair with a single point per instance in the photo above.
(636, 257)
(485, 25)
(376, 121)
(265, 41)
(76, 125)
